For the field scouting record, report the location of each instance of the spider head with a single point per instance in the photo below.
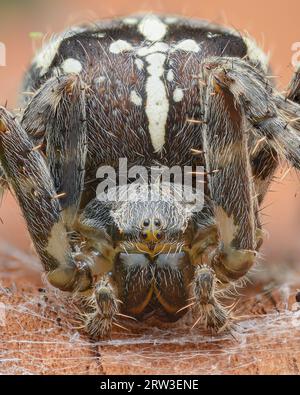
(152, 225)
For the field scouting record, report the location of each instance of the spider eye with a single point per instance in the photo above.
(144, 235)
(159, 235)
(146, 222)
(157, 222)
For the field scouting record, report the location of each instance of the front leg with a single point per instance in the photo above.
(230, 180)
(29, 177)
(232, 195)
(56, 119)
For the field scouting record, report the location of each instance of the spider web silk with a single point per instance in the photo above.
(39, 335)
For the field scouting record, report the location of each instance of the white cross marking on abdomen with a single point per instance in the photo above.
(157, 103)
(154, 52)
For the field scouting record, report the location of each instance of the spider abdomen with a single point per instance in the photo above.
(143, 77)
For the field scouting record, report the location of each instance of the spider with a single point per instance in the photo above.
(156, 90)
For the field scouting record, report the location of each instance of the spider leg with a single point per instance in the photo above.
(289, 104)
(212, 313)
(3, 183)
(274, 119)
(104, 308)
(28, 174)
(56, 119)
(293, 92)
(246, 128)
(56, 116)
(230, 180)
(263, 108)
(232, 192)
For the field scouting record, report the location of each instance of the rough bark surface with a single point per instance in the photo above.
(38, 332)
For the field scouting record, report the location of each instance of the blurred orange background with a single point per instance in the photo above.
(274, 24)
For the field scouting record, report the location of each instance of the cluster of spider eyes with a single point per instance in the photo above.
(156, 223)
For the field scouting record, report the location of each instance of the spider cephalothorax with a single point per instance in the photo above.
(157, 91)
